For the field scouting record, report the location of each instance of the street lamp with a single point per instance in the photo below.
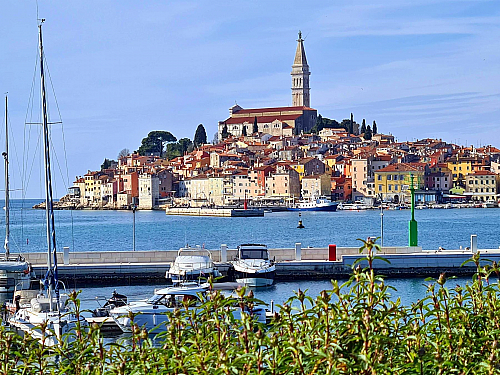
(381, 221)
(134, 208)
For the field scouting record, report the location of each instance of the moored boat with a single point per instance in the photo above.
(318, 204)
(192, 263)
(151, 314)
(49, 316)
(253, 267)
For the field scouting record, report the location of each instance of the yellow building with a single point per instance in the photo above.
(316, 185)
(459, 167)
(395, 179)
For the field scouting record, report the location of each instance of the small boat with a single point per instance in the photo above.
(318, 204)
(192, 263)
(116, 300)
(352, 207)
(253, 267)
(490, 204)
(50, 315)
(151, 314)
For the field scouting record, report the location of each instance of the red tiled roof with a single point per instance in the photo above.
(404, 167)
(484, 173)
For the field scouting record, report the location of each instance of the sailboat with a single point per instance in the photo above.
(14, 270)
(48, 317)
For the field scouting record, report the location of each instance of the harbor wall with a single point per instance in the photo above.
(168, 256)
(129, 267)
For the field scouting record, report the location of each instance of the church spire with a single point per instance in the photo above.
(300, 76)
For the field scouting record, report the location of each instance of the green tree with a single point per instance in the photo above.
(363, 127)
(225, 133)
(156, 142)
(244, 131)
(368, 133)
(351, 125)
(106, 164)
(255, 126)
(184, 145)
(200, 136)
(374, 128)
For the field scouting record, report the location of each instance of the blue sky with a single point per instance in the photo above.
(425, 68)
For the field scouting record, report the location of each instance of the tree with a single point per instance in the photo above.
(244, 131)
(255, 125)
(368, 133)
(156, 142)
(374, 129)
(351, 125)
(225, 133)
(200, 136)
(123, 153)
(184, 145)
(363, 127)
(106, 164)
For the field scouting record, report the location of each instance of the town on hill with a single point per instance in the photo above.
(274, 156)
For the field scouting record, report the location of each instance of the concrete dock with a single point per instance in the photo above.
(78, 269)
(221, 212)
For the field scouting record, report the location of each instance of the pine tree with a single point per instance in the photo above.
(374, 130)
(368, 133)
(255, 126)
(351, 125)
(200, 136)
(244, 131)
(363, 127)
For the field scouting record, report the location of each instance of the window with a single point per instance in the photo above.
(390, 187)
(389, 177)
(380, 188)
(379, 178)
(396, 187)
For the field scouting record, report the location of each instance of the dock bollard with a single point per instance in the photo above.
(332, 253)
(223, 253)
(66, 255)
(473, 243)
(298, 251)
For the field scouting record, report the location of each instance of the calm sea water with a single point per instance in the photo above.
(112, 230)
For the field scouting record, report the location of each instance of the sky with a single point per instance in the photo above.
(120, 69)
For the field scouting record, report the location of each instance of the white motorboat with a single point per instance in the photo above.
(14, 269)
(152, 315)
(49, 316)
(253, 267)
(192, 263)
(490, 204)
(318, 204)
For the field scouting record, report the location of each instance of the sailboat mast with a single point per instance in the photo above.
(6, 158)
(49, 209)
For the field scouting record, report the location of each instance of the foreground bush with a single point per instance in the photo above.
(450, 331)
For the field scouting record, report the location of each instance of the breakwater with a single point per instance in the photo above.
(129, 267)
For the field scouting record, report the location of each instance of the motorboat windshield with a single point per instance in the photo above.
(253, 252)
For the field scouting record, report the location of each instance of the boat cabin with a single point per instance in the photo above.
(176, 296)
(253, 251)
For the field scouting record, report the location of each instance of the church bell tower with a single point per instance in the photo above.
(300, 77)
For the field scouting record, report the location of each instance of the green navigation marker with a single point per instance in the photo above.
(413, 230)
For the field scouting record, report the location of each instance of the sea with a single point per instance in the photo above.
(94, 230)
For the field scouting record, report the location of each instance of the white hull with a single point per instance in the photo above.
(255, 281)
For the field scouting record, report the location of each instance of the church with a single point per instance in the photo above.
(278, 121)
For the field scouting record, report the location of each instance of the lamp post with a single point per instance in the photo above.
(381, 222)
(134, 208)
